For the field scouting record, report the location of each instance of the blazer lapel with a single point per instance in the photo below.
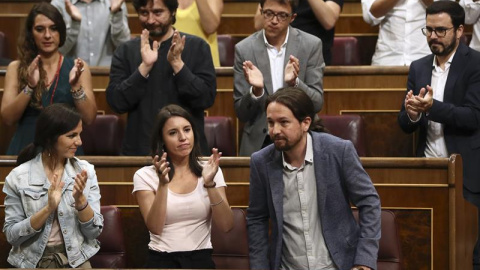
(319, 161)
(425, 75)
(275, 179)
(262, 61)
(456, 68)
(293, 45)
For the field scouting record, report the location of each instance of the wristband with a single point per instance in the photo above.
(210, 186)
(215, 204)
(78, 94)
(83, 207)
(27, 90)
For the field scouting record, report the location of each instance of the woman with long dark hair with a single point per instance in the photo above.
(179, 195)
(52, 202)
(42, 76)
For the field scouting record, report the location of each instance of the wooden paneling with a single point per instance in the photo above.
(376, 93)
(437, 226)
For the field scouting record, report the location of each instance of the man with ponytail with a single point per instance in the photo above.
(305, 183)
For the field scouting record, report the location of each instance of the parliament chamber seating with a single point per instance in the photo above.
(2, 45)
(226, 50)
(348, 127)
(345, 51)
(112, 253)
(230, 249)
(219, 133)
(104, 136)
(389, 252)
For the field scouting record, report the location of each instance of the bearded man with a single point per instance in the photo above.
(443, 97)
(161, 67)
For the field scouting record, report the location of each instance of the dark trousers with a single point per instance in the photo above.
(474, 198)
(197, 259)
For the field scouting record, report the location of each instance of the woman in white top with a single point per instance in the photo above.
(179, 195)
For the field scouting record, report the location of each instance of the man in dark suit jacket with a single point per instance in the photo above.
(269, 59)
(443, 97)
(304, 184)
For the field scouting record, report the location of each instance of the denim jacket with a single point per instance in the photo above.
(26, 189)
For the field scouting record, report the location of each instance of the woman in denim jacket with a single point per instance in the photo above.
(52, 203)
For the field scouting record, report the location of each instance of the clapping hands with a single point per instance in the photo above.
(162, 166)
(211, 167)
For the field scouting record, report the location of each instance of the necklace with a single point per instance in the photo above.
(56, 78)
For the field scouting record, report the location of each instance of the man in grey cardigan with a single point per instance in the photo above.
(304, 184)
(272, 58)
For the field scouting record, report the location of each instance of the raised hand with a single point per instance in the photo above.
(210, 169)
(411, 111)
(253, 75)
(162, 166)
(55, 193)
(33, 72)
(176, 49)
(423, 101)
(116, 5)
(75, 73)
(291, 70)
(149, 53)
(73, 11)
(80, 183)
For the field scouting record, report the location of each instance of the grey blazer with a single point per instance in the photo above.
(251, 111)
(340, 180)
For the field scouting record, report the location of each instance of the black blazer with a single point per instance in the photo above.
(459, 111)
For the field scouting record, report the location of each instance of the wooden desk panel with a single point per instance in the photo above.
(375, 93)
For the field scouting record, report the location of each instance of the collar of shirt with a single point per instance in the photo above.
(308, 156)
(271, 46)
(76, 1)
(437, 68)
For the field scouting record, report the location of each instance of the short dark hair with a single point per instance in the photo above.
(172, 6)
(157, 146)
(299, 103)
(456, 12)
(55, 120)
(292, 3)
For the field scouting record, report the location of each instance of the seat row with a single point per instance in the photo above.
(230, 249)
(104, 136)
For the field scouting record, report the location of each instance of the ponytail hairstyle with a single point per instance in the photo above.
(299, 103)
(55, 120)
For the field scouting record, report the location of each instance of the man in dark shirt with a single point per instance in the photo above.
(316, 17)
(161, 67)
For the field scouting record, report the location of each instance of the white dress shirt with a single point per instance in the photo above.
(472, 16)
(436, 146)
(277, 60)
(303, 245)
(400, 39)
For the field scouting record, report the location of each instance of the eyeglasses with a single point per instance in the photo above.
(440, 32)
(281, 16)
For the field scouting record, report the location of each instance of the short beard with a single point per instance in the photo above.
(446, 49)
(163, 29)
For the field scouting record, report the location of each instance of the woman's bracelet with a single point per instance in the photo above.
(78, 94)
(215, 204)
(83, 207)
(27, 90)
(210, 186)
